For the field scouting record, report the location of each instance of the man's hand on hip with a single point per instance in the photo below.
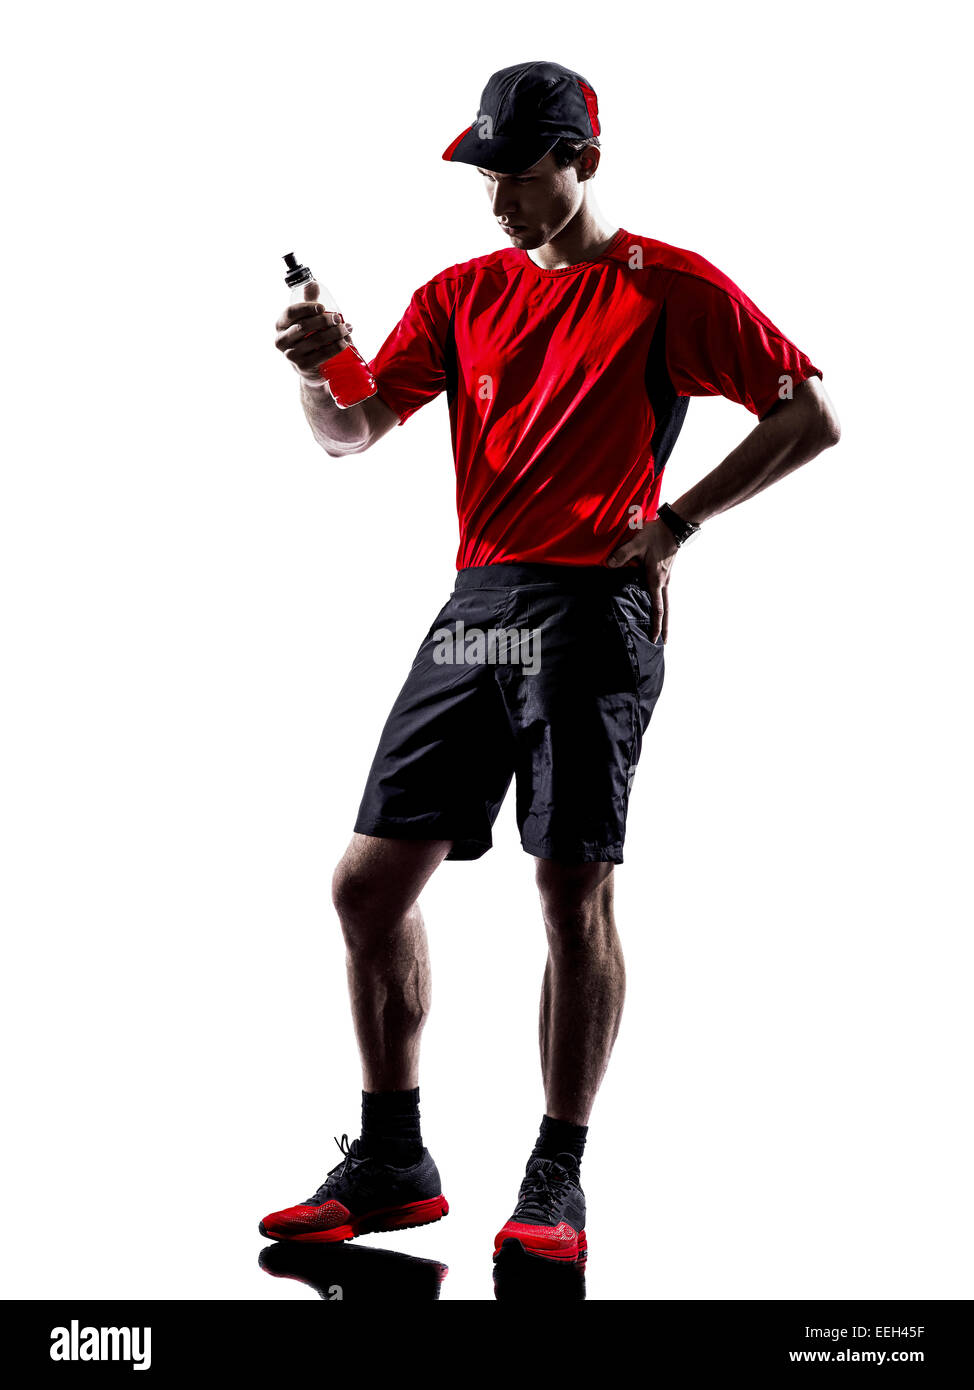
(654, 547)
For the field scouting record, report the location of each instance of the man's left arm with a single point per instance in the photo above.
(791, 434)
(719, 343)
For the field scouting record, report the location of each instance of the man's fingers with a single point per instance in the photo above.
(319, 347)
(305, 357)
(321, 335)
(294, 312)
(624, 553)
(661, 611)
(321, 328)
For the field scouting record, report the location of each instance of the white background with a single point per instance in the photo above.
(205, 620)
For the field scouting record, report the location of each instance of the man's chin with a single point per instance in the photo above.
(527, 241)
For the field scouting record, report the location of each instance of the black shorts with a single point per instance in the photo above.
(543, 673)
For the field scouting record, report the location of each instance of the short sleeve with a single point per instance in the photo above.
(409, 368)
(718, 343)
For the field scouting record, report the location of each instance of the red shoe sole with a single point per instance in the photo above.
(422, 1213)
(576, 1255)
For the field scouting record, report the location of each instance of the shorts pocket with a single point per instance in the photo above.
(634, 616)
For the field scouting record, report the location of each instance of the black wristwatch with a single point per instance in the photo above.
(682, 530)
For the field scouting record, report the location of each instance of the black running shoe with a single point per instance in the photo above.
(549, 1219)
(362, 1194)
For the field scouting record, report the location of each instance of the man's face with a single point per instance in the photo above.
(534, 206)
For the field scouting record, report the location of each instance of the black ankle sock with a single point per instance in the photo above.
(390, 1125)
(558, 1136)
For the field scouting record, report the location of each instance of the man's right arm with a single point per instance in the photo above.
(307, 335)
(350, 431)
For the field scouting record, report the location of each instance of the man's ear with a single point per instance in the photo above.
(588, 162)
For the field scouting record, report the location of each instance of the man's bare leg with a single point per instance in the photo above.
(581, 1004)
(375, 891)
(584, 985)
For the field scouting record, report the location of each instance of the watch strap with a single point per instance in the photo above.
(682, 530)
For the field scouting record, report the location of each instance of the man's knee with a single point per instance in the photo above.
(353, 891)
(377, 883)
(576, 902)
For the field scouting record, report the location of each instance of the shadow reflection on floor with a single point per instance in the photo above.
(359, 1273)
(523, 1278)
(355, 1273)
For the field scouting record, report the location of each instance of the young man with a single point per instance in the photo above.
(568, 359)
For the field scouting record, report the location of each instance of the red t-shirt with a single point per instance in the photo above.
(567, 388)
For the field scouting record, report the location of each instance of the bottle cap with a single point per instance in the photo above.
(296, 274)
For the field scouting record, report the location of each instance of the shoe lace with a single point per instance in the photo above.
(542, 1191)
(352, 1160)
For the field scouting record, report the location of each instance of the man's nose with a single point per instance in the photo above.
(501, 201)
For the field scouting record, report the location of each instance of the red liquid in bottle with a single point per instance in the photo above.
(348, 377)
(347, 374)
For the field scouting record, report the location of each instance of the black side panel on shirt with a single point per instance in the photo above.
(450, 370)
(669, 409)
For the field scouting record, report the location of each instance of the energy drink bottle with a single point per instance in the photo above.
(347, 373)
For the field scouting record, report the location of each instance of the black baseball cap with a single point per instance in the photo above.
(524, 111)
